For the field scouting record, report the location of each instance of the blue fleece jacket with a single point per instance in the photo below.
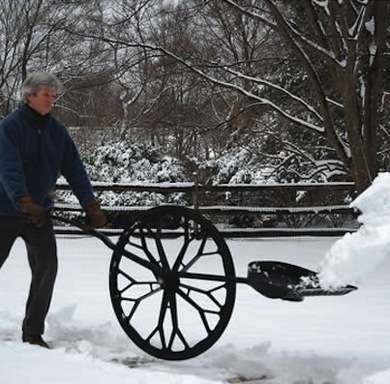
(34, 151)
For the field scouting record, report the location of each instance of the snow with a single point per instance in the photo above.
(324, 4)
(168, 185)
(61, 367)
(347, 261)
(265, 84)
(343, 63)
(378, 378)
(373, 49)
(302, 185)
(370, 26)
(362, 91)
(336, 340)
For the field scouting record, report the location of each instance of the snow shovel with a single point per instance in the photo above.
(278, 280)
(174, 298)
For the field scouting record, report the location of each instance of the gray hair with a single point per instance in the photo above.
(37, 80)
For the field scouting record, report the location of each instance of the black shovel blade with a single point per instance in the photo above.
(278, 280)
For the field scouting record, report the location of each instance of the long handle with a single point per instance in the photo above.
(156, 269)
(87, 229)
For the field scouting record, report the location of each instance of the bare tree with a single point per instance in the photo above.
(20, 41)
(32, 40)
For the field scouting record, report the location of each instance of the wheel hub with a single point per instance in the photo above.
(170, 280)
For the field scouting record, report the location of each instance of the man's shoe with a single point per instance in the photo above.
(35, 340)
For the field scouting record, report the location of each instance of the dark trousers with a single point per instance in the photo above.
(42, 257)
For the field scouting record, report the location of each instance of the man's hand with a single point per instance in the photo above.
(95, 216)
(35, 213)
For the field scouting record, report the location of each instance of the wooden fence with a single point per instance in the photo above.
(271, 210)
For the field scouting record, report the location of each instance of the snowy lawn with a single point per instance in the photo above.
(324, 340)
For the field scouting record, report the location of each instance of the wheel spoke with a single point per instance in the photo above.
(133, 282)
(146, 283)
(125, 288)
(160, 248)
(160, 324)
(143, 297)
(155, 268)
(163, 309)
(135, 245)
(161, 251)
(207, 277)
(162, 337)
(207, 293)
(196, 305)
(183, 250)
(128, 277)
(198, 255)
(155, 330)
(182, 338)
(131, 314)
(175, 324)
(200, 310)
(145, 247)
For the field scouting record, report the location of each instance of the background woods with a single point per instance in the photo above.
(242, 91)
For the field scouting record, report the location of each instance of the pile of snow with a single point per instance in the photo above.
(382, 377)
(356, 254)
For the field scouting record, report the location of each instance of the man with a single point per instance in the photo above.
(34, 149)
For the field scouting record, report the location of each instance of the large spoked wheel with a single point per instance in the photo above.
(172, 283)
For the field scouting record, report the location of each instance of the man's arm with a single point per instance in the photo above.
(13, 179)
(74, 172)
(11, 165)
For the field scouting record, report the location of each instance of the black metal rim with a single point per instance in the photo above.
(168, 284)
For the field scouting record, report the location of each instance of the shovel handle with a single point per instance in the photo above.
(86, 229)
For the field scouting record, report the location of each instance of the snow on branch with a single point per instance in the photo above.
(252, 14)
(324, 4)
(328, 54)
(309, 107)
(335, 103)
(294, 32)
(357, 26)
(191, 66)
(244, 92)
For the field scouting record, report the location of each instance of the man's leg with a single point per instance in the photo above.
(9, 230)
(42, 256)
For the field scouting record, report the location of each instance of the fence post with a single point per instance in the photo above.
(195, 192)
(195, 200)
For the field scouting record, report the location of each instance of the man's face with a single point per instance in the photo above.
(43, 100)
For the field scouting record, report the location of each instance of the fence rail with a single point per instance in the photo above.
(193, 186)
(200, 197)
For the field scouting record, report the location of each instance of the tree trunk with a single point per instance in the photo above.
(359, 165)
(375, 85)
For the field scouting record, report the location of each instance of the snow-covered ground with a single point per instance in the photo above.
(323, 340)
